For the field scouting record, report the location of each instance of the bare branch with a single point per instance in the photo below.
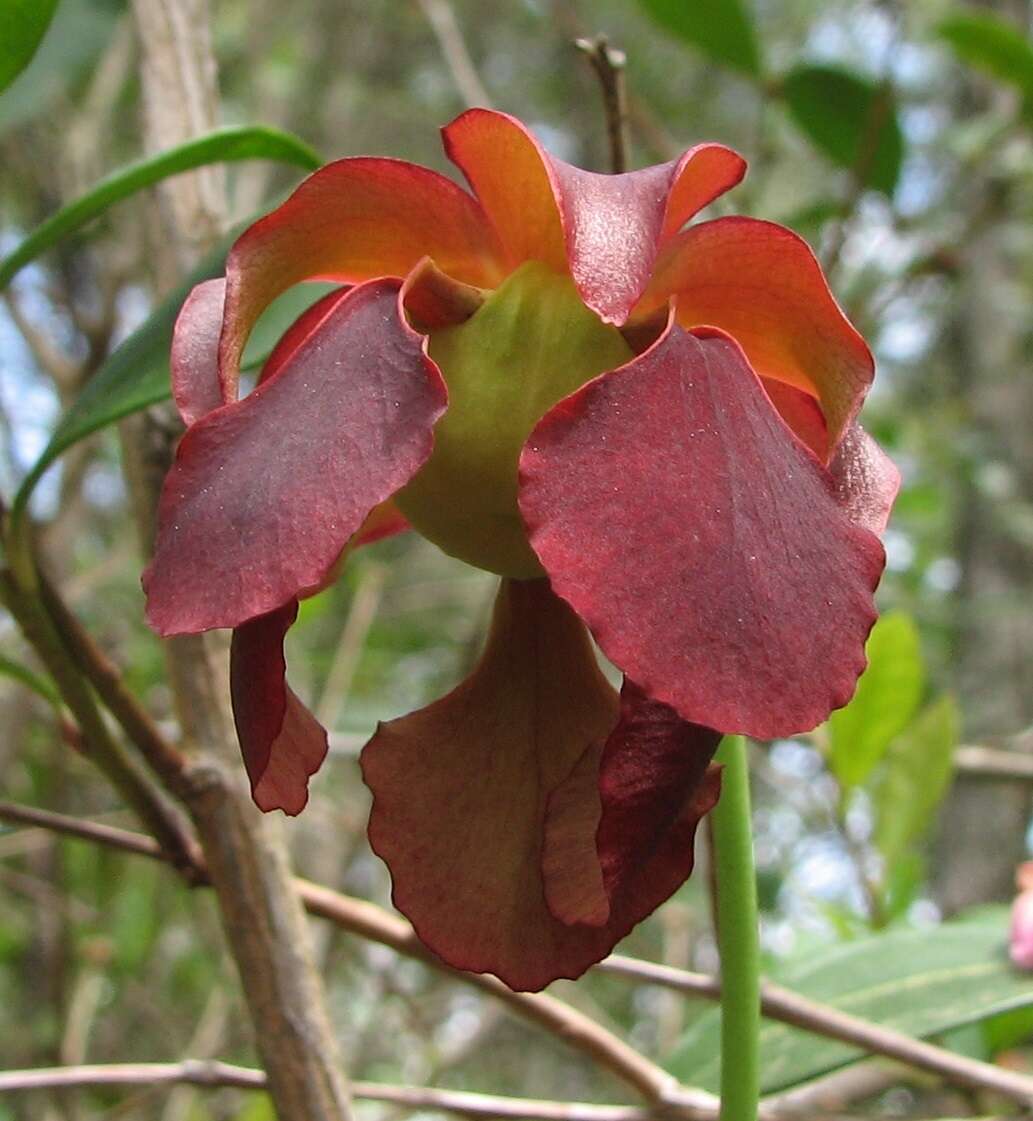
(442, 20)
(608, 64)
(782, 1004)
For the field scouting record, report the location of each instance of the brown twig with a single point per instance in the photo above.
(370, 921)
(782, 1004)
(373, 922)
(442, 20)
(215, 1074)
(993, 762)
(608, 64)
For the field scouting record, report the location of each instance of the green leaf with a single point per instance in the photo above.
(922, 982)
(915, 776)
(80, 32)
(42, 686)
(251, 142)
(887, 697)
(721, 29)
(991, 44)
(850, 118)
(23, 23)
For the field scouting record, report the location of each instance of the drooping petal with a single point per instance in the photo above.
(266, 492)
(460, 791)
(606, 229)
(762, 284)
(351, 221)
(282, 742)
(701, 541)
(628, 814)
(866, 479)
(194, 360)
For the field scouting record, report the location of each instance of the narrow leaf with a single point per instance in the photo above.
(922, 982)
(42, 686)
(721, 29)
(252, 142)
(23, 23)
(991, 44)
(850, 118)
(915, 776)
(887, 697)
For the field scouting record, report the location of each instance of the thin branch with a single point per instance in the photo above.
(370, 921)
(215, 1074)
(778, 1003)
(608, 64)
(442, 20)
(993, 762)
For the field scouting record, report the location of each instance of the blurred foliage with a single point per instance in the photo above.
(891, 138)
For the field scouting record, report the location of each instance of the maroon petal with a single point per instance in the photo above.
(607, 229)
(266, 492)
(194, 360)
(460, 792)
(701, 541)
(282, 742)
(630, 807)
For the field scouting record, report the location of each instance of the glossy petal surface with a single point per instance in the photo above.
(701, 541)
(266, 492)
(460, 791)
(866, 479)
(282, 742)
(194, 361)
(762, 284)
(353, 220)
(606, 229)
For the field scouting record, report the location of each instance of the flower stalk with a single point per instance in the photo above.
(737, 937)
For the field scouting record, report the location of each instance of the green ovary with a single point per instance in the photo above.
(529, 345)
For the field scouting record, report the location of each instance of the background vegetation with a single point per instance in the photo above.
(897, 140)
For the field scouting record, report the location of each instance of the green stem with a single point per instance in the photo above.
(737, 937)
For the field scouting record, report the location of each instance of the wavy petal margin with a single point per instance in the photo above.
(760, 283)
(282, 743)
(701, 542)
(352, 221)
(266, 492)
(605, 229)
(194, 359)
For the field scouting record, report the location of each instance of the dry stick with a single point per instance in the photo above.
(993, 762)
(216, 1074)
(372, 922)
(442, 20)
(146, 800)
(245, 853)
(782, 1004)
(608, 64)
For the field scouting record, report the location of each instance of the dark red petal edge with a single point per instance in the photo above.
(266, 492)
(706, 548)
(281, 741)
(635, 802)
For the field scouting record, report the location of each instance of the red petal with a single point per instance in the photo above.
(351, 221)
(266, 492)
(866, 479)
(606, 229)
(461, 787)
(762, 284)
(620, 830)
(299, 332)
(281, 741)
(194, 360)
(700, 541)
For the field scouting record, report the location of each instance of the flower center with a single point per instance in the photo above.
(530, 344)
